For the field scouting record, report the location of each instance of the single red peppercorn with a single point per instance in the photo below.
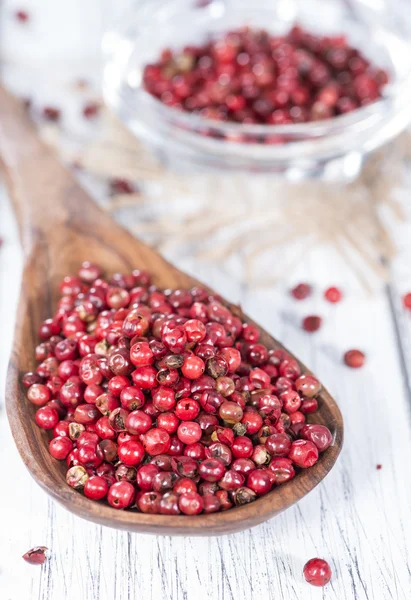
(193, 367)
(333, 295)
(60, 447)
(301, 291)
(36, 555)
(191, 503)
(318, 434)
(259, 481)
(38, 394)
(131, 453)
(282, 469)
(22, 16)
(303, 453)
(189, 432)
(96, 488)
(242, 447)
(212, 469)
(311, 323)
(156, 441)
(354, 359)
(50, 113)
(121, 186)
(406, 300)
(149, 502)
(121, 494)
(317, 572)
(90, 111)
(46, 417)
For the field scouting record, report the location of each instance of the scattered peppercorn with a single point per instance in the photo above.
(91, 110)
(354, 359)
(379, 467)
(407, 301)
(301, 291)
(36, 556)
(311, 323)
(333, 295)
(50, 113)
(317, 572)
(121, 186)
(22, 16)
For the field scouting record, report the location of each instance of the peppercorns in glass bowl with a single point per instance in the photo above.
(303, 88)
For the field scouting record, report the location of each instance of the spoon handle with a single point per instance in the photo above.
(46, 197)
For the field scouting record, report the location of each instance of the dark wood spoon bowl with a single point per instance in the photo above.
(60, 226)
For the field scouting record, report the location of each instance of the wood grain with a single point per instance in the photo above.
(60, 226)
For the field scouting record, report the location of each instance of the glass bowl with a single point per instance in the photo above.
(330, 149)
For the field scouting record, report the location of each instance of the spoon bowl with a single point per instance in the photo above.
(60, 227)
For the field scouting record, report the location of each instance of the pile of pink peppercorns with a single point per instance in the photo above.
(166, 401)
(253, 77)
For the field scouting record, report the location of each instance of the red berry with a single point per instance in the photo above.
(138, 422)
(149, 502)
(96, 488)
(184, 486)
(60, 447)
(303, 453)
(259, 481)
(36, 556)
(22, 16)
(91, 110)
(121, 186)
(407, 301)
(189, 432)
(156, 441)
(145, 476)
(318, 434)
(50, 113)
(311, 323)
(193, 367)
(317, 572)
(164, 398)
(242, 447)
(187, 409)
(354, 359)
(38, 394)
(308, 385)
(333, 294)
(211, 469)
(282, 469)
(121, 494)
(46, 417)
(301, 291)
(195, 330)
(131, 453)
(278, 444)
(191, 503)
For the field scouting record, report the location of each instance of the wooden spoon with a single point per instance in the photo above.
(60, 226)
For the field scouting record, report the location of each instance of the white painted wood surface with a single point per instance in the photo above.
(359, 518)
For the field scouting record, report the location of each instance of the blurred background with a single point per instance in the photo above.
(138, 154)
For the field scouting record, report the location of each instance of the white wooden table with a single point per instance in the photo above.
(359, 518)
